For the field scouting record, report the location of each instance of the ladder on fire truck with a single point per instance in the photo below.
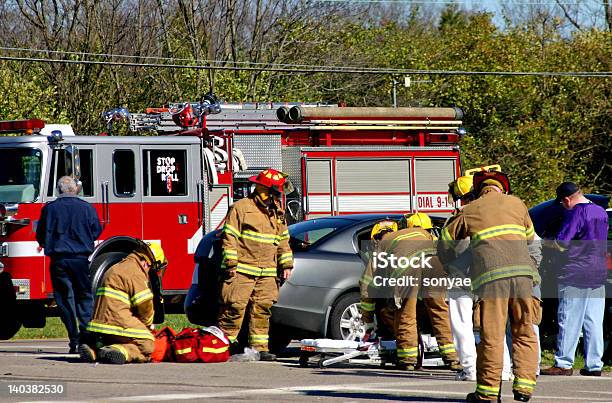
(290, 116)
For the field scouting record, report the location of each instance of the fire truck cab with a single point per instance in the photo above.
(176, 183)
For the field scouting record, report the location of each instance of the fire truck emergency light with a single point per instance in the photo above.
(28, 126)
(115, 115)
(55, 137)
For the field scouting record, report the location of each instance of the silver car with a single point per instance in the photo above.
(322, 296)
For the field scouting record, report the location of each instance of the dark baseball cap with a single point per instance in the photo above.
(566, 189)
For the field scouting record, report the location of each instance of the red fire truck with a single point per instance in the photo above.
(176, 183)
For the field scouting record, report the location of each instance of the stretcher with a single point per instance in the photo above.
(378, 352)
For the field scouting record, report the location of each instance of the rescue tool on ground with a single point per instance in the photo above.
(178, 183)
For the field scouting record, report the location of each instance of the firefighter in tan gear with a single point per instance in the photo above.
(369, 306)
(502, 275)
(414, 240)
(120, 329)
(255, 251)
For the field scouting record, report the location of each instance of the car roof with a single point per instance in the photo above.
(362, 217)
(340, 240)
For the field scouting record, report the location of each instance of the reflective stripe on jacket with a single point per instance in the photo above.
(499, 227)
(124, 301)
(256, 239)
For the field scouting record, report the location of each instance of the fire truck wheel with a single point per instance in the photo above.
(33, 315)
(101, 264)
(345, 320)
(10, 322)
(9, 326)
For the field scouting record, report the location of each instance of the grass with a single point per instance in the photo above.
(548, 360)
(55, 328)
(176, 322)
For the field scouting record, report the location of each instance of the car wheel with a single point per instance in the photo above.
(345, 320)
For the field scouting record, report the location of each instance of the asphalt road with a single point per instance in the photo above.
(45, 362)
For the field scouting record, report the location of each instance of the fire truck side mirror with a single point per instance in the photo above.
(293, 208)
(73, 161)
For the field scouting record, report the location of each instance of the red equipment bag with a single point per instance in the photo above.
(185, 345)
(163, 345)
(213, 345)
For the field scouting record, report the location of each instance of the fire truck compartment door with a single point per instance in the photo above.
(370, 185)
(432, 176)
(318, 200)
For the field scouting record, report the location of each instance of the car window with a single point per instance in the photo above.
(312, 231)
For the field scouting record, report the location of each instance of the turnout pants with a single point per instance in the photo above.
(406, 333)
(437, 309)
(236, 294)
(406, 330)
(502, 299)
(134, 350)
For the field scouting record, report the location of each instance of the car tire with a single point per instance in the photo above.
(101, 264)
(345, 320)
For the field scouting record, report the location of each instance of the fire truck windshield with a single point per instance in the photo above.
(20, 174)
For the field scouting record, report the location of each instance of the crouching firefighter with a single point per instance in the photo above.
(255, 251)
(127, 303)
(414, 240)
(370, 306)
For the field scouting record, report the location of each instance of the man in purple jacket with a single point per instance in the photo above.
(582, 279)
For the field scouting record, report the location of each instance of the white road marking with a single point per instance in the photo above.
(34, 347)
(379, 387)
(42, 355)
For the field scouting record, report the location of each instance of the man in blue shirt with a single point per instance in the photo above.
(582, 278)
(67, 229)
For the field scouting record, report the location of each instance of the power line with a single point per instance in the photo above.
(330, 69)
(204, 64)
(435, 2)
(173, 59)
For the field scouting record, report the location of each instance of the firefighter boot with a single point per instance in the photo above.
(109, 355)
(87, 353)
(404, 366)
(474, 398)
(521, 397)
(454, 365)
(266, 356)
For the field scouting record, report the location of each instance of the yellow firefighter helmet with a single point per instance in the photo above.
(158, 252)
(382, 228)
(460, 187)
(416, 220)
